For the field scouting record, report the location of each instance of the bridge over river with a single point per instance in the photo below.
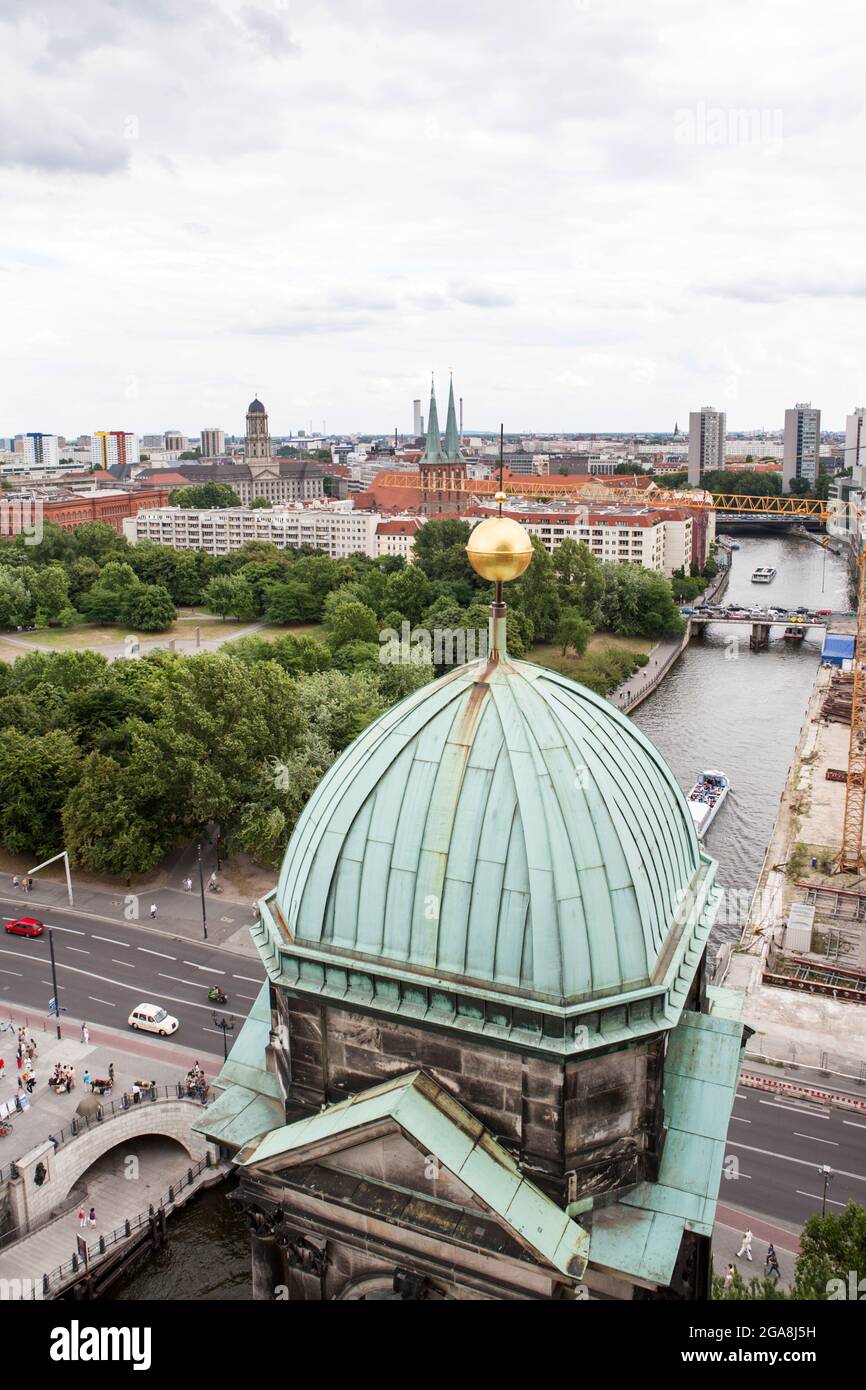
(762, 623)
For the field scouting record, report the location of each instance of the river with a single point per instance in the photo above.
(722, 706)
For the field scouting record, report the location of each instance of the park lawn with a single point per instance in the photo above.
(275, 630)
(92, 638)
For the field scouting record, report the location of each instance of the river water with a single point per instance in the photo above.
(723, 706)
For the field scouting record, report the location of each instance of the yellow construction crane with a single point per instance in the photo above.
(850, 858)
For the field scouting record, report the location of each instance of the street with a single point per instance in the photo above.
(104, 971)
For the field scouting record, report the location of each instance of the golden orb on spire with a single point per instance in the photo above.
(499, 549)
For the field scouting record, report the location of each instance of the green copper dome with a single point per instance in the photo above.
(503, 834)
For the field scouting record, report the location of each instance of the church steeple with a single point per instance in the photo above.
(452, 436)
(433, 452)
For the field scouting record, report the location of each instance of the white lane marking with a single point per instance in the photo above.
(146, 952)
(127, 964)
(111, 941)
(50, 984)
(853, 1124)
(195, 984)
(798, 1110)
(249, 979)
(218, 1031)
(136, 989)
(94, 1000)
(815, 1139)
(815, 1198)
(741, 1120)
(789, 1158)
(12, 972)
(250, 997)
(209, 969)
(71, 930)
(79, 950)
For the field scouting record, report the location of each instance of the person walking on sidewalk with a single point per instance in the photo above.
(187, 885)
(16, 882)
(82, 1219)
(745, 1246)
(92, 1217)
(771, 1264)
(729, 1278)
(153, 912)
(85, 1034)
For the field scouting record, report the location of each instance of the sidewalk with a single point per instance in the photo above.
(134, 1058)
(728, 1234)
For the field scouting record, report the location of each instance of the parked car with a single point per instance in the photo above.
(152, 1018)
(25, 926)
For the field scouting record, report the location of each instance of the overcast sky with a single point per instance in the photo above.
(598, 213)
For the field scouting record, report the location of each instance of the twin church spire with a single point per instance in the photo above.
(436, 451)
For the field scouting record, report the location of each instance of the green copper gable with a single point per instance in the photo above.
(505, 836)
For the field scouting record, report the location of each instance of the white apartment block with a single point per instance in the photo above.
(660, 541)
(706, 442)
(41, 452)
(397, 537)
(802, 444)
(855, 445)
(336, 531)
(108, 447)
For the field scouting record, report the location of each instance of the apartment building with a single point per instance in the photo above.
(659, 540)
(109, 447)
(706, 442)
(338, 532)
(398, 537)
(802, 445)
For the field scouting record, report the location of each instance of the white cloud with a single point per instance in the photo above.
(599, 213)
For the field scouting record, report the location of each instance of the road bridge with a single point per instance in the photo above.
(763, 623)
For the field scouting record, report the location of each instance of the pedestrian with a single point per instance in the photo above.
(19, 1055)
(85, 1034)
(31, 1049)
(745, 1246)
(92, 1217)
(85, 1080)
(153, 912)
(70, 1077)
(187, 885)
(82, 1219)
(111, 1072)
(771, 1265)
(16, 882)
(729, 1278)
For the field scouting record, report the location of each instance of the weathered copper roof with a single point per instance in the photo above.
(502, 827)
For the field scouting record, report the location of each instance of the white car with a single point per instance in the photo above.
(152, 1018)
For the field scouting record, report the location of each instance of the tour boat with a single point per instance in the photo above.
(795, 634)
(707, 798)
(764, 574)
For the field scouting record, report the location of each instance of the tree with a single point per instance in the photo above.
(151, 609)
(535, 593)
(351, 622)
(580, 575)
(230, 597)
(104, 831)
(49, 589)
(260, 503)
(574, 631)
(36, 775)
(109, 599)
(204, 496)
(440, 551)
(830, 1248)
(638, 603)
(408, 591)
(16, 602)
(192, 453)
(97, 541)
(338, 706)
(290, 602)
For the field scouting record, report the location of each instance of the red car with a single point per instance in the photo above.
(26, 926)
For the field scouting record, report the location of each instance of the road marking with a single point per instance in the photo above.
(79, 950)
(789, 1158)
(829, 1200)
(12, 972)
(250, 997)
(853, 1124)
(136, 989)
(50, 984)
(146, 952)
(195, 984)
(797, 1110)
(127, 964)
(815, 1139)
(741, 1120)
(94, 1000)
(209, 968)
(249, 979)
(218, 1031)
(111, 941)
(70, 930)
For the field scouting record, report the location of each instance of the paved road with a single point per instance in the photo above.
(780, 1144)
(104, 971)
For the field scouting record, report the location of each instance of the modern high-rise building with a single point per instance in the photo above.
(706, 442)
(40, 451)
(802, 444)
(416, 418)
(213, 443)
(258, 441)
(109, 447)
(855, 445)
(174, 442)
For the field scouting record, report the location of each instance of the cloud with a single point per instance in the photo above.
(481, 296)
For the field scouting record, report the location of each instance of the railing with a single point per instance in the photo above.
(79, 1264)
(106, 1110)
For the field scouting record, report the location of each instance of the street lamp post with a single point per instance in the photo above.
(54, 979)
(201, 888)
(225, 1026)
(826, 1172)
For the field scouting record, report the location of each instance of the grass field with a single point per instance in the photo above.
(607, 658)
